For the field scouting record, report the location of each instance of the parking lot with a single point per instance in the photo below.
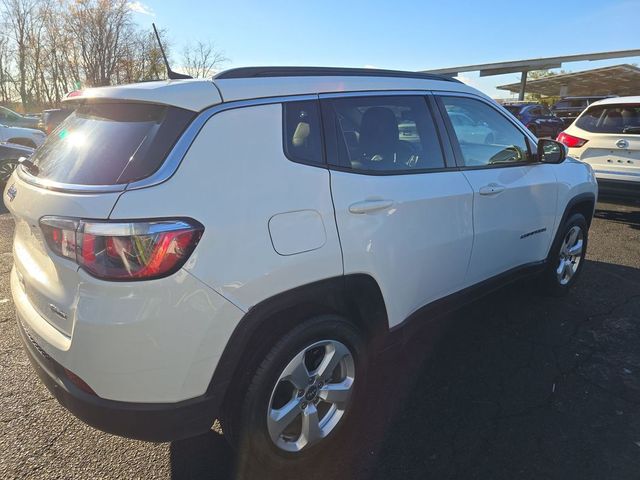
(515, 386)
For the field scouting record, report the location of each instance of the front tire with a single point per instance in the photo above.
(302, 394)
(567, 255)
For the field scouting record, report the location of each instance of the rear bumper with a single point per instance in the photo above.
(622, 188)
(155, 422)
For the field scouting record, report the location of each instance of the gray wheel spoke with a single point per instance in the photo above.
(576, 249)
(561, 267)
(334, 353)
(337, 393)
(281, 418)
(568, 270)
(311, 431)
(296, 372)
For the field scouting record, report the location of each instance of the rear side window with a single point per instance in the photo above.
(393, 134)
(623, 118)
(302, 137)
(110, 143)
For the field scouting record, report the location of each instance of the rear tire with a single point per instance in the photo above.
(300, 400)
(567, 256)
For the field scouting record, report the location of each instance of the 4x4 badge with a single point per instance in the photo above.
(12, 192)
(622, 143)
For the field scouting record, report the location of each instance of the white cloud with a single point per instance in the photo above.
(141, 8)
(370, 66)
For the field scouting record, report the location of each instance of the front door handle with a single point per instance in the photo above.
(491, 189)
(370, 206)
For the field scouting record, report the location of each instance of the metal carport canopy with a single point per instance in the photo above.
(620, 80)
(524, 66)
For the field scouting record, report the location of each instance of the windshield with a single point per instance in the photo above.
(622, 118)
(110, 143)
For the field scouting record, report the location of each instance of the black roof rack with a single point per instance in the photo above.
(256, 72)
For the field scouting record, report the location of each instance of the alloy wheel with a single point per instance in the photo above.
(570, 256)
(311, 395)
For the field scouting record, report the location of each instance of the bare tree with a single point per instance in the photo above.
(50, 47)
(102, 29)
(19, 17)
(202, 59)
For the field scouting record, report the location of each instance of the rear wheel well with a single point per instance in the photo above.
(584, 207)
(357, 298)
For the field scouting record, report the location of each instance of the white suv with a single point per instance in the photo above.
(229, 253)
(607, 136)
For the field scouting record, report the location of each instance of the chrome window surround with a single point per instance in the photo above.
(181, 148)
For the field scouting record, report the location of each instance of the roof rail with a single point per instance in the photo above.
(255, 72)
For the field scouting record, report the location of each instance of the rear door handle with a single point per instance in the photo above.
(491, 189)
(370, 206)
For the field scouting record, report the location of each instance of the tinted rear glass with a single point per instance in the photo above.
(611, 119)
(110, 143)
(513, 109)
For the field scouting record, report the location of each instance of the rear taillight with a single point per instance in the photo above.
(571, 141)
(123, 250)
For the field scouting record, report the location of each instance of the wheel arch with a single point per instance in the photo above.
(356, 297)
(583, 203)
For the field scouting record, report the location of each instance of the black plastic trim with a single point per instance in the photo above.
(470, 294)
(260, 72)
(154, 422)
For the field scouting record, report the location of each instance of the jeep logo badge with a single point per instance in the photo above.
(12, 192)
(622, 143)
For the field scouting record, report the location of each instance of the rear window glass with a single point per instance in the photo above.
(303, 140)
(110, 143)
(611, 119)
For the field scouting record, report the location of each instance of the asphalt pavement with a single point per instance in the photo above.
(515, 386)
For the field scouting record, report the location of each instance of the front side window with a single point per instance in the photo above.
(302, 136)
(485, 136)
(392, 134)
(623, 118)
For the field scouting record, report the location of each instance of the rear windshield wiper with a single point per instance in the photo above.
(631, 129)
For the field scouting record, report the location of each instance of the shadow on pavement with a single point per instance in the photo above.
(514, 386)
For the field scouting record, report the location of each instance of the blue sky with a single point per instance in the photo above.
(407, 35)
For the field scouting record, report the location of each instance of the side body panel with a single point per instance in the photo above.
(234, 180)
(513, 227)
(418, 249)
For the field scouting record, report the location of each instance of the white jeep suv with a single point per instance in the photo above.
(230, 252)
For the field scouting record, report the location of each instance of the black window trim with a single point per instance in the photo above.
(531, 143)
(331, 134)
(285, 142)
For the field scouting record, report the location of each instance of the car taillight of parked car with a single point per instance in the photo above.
(123, 250)
(571, 141)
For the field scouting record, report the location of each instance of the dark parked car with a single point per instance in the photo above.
(537, 118)
(52, 118)
(13, 119)
(568, 108)
(9, 159)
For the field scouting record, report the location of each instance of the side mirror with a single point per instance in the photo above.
(550, 151)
